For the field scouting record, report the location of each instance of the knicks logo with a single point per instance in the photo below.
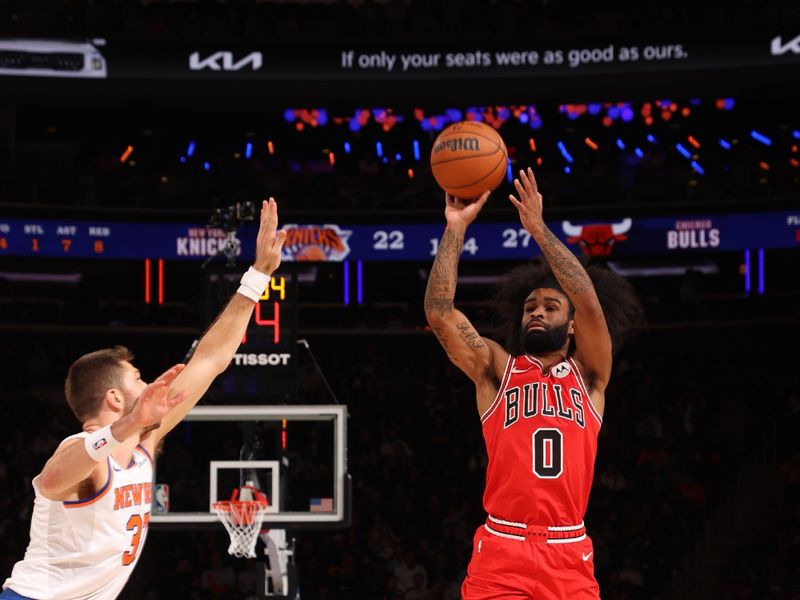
(315, 243)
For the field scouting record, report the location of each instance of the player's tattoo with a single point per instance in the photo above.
(441, 287)
(444, 340)
(568, 270)
(469, 335)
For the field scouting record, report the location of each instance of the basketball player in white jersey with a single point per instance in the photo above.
(92, 499)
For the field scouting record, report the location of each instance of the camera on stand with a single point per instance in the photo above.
(228, 219)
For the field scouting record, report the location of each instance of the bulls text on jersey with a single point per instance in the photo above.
(540, 398)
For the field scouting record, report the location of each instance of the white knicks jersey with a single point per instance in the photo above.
(86, 549)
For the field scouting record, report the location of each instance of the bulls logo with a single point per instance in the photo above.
(315, 243)
(597, 239)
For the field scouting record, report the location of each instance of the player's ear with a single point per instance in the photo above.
(571, 327)
(114, 399)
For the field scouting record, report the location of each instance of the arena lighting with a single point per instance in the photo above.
(594, 108)
(207, 166)
(398, 157)
(379, 148)
(684, 151)
(591, 143)
(347, 148)
(747, 271)
(288, 115)
(760, 271)
(509, 173)
(725, 144)
(346, 267)
(183, 159)
(248, 150)
(651, 138)
(147, 281)
(796, 134)
(760, 138)
(627, 114)
(693, 141)
(564, 153)
(524, 118)
(126, 154)
(696, 166)
(567, 170)
(620, 144)
(638, 152)
(416, 150)
(160, 281)
(190, 149)
(360, 282)
(453, 114)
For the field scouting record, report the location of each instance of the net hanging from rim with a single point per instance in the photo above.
(242, 519)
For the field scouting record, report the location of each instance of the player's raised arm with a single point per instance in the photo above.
(219, 343)
(77, 459)
(592, 338)
(464, 346)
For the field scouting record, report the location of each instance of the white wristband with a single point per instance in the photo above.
(99, 444)
(253, 284)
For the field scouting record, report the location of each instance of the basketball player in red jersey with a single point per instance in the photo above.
(540, 402)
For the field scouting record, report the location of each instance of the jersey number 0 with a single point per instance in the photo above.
(548, 453)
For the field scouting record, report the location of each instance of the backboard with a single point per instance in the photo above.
(295, 454)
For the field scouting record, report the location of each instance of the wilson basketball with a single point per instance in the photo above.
(468, 158)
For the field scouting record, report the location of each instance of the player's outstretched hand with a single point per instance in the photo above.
(153, 403)
(269, 241)
(529, 204)
(461, 212)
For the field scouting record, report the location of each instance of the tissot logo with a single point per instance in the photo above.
(778, 48)
(224, 61)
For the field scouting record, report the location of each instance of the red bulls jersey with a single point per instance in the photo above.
(541, 437)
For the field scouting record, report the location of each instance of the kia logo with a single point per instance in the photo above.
(223, 61)
(778, 48)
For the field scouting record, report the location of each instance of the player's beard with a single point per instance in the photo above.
(543, 341)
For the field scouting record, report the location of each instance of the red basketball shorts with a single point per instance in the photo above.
(512, 560)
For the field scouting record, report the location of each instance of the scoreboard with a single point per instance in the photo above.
(265, 365)
(402, 241)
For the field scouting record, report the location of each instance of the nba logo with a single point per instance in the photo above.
(161, 504)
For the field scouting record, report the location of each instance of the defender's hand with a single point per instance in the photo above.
(529, 204)
(268, 242)
(152, 405)
(461, 213)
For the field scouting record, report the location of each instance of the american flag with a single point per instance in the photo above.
(321, 505)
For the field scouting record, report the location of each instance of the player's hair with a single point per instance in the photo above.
(622, 309)
(91, 376)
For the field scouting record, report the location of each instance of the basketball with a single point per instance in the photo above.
(468, 158)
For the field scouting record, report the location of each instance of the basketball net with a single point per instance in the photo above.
(242, 519)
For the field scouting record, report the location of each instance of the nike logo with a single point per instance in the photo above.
(586, 557)
(516, 370)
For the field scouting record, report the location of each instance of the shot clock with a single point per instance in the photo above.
(264, 368)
